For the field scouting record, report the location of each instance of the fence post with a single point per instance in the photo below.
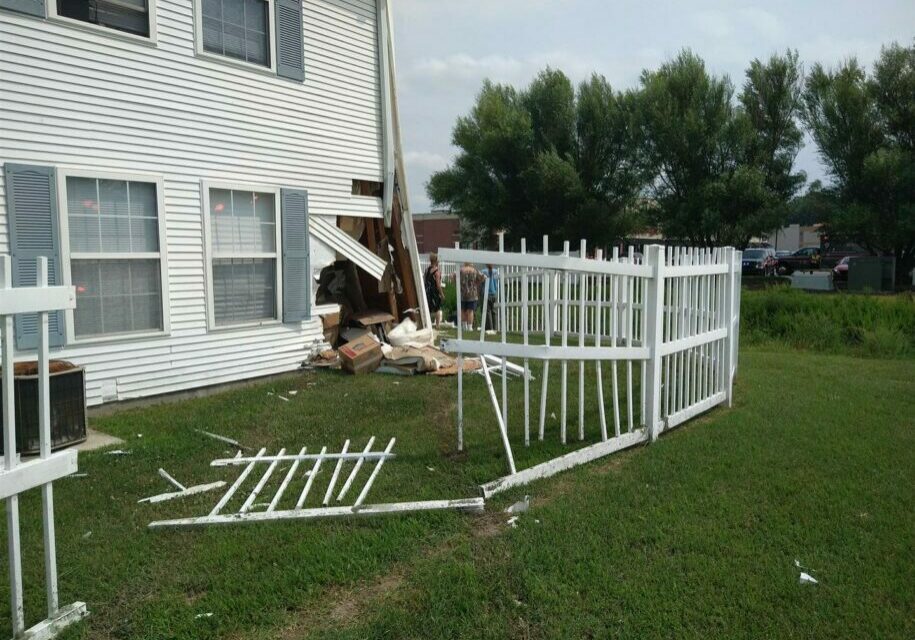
(729, 304)
(654, 319)
(14, 546)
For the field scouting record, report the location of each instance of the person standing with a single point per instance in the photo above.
(470, 281)
(491, 309)
(432, 280)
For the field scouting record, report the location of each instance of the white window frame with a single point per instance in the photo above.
(66, 255)
(151, 40)
(235, 62)
(210, 254)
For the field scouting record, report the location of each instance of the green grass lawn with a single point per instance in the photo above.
(694, 536)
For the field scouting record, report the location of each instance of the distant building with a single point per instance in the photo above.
(436, 230)
(796, 236)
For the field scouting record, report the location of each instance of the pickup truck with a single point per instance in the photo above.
(801, 260)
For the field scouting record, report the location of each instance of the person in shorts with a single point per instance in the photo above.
(470, 280)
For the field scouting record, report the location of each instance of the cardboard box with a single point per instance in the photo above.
(362, 355)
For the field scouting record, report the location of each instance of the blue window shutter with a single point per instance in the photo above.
(296, 258)
(29, 7)
(31, 205)
(290, 49)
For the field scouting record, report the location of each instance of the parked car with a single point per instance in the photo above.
(782, 253)
(759, 262)
(840, 271)
(806, 259)
(834, 254)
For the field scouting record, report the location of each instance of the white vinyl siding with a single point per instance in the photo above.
(78, 97)
(112, 227)
(243, 236)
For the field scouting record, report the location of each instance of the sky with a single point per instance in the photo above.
(446, 48)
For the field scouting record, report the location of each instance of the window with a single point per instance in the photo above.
(135, 17)
(114, 227)
(243, 236)
(237, 29)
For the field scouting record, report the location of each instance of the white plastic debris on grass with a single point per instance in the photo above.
(805, 578)
(216, 436)
(513, 522)
(117, 452)
(521, 506)
(208, 614)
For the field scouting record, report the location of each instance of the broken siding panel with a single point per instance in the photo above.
(78, 98)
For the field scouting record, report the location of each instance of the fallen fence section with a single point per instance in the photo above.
(16, 478)
(563, 463)
(474, 505)
(666, 324)
(252, 511)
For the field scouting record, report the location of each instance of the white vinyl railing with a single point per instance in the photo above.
(17, 477)
(670, 318)
(448, 270)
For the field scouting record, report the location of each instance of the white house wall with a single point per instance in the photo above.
(83, 98)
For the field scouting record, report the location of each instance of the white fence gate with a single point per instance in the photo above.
(16, 477)
(673, 313)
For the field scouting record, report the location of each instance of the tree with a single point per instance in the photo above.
(864, 129)
(547, 160)
(723, 171)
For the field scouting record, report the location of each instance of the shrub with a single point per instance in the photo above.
(866, 325)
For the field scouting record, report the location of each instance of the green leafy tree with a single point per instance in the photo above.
(723, 169)
(547, 160)
(864, 128)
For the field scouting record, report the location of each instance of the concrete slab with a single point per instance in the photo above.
(814, 281)
(97, 440)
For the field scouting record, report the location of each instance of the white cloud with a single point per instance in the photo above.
(427, 161)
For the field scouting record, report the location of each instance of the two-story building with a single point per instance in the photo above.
(188, 165)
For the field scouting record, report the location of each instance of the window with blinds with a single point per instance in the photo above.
(237, 29)
(130, 16)
(115, 257)
(243, 235)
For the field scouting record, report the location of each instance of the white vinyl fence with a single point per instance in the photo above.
(18, 477)
(670, 319)
(448, 270)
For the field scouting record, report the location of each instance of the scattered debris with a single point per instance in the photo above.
(182, 491)
(208, 614)
(248, 511)
(139, 435)
(292, 392)
(362, 355)
(117, 452)
(431, 468)
(522, 506)
(230, 441)
(87, 535)
(77, 475)
(806, 578)
(328, 359)
(283, 398)
(513, 522)
(406, 334)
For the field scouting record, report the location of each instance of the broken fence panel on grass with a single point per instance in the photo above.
(668, 321)
(251, 510)
(17, 478)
